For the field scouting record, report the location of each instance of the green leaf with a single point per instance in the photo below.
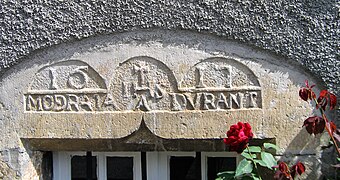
(268, 159)
(270, 145)
(338, 159)
(244, 167)
(253, 149)
(226, 172)
(227, 175)
(255, 176)
(247, 155)
(260, 162)
(247, 177)
(251, 176)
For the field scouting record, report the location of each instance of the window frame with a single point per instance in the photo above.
(204, 160)
(157, 163)
(62, 163)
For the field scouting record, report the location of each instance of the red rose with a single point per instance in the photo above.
(238, 136)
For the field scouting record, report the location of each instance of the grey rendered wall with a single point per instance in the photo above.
(304, 31)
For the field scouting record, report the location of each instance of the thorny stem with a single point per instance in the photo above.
(328, 127)
(251, 158)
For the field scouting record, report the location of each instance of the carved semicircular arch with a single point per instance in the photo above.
(143, 83)
(68, 75)
(220, 73)
(71, 85)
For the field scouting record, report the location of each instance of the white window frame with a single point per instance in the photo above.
(157, 166)
(62, 163)
(158, 163)
(204, 160)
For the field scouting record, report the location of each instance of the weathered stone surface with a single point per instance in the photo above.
(72, 125)
(6, 173)
(105, 87)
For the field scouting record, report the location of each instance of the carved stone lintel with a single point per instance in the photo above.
(146, 84)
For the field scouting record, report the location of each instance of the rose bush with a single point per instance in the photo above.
(286, 173)
(238, 136)
(317, 124)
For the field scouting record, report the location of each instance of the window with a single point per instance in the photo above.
(78, 164)
(119, 168)
(108, 166)
(156, 165)
(183, 167)
(170, 166)
(214, 162)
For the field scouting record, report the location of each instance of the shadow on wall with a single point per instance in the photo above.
(315, 153)
(6, 172)
(41, 161)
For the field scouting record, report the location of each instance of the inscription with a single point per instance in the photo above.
(219, 73)
(144, 84)
(53, 84)
(69, 102)
(216, 100)
(68, 86)
(199, 77)
(78, 78)
(218, 83)
(224, 70)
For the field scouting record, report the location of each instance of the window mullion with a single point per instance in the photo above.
(61, 165)
(137, 166)
(152, 165)
(101, 168)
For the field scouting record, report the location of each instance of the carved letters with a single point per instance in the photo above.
(144, 84)
(216, 100)
(218, 83)
(68, 86)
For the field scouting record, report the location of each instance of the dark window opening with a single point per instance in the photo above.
(119, 168)
(143, 163)
(220, 164)
(79, 168)
(183, 168)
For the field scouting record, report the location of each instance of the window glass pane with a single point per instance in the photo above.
(183, 168)
(78, 168)
(219, 164)
(119, 168)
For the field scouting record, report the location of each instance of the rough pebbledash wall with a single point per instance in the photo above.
(303, 31)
